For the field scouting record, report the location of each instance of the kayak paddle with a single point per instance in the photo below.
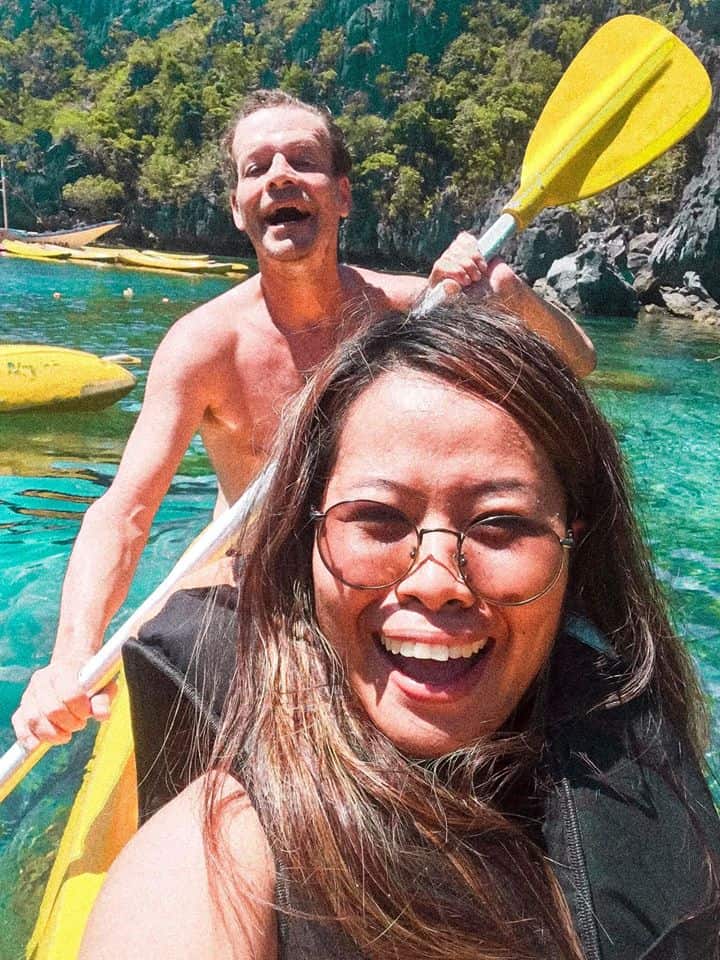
(631, 92)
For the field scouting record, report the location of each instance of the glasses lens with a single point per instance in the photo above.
(510, 559)
(366, 544)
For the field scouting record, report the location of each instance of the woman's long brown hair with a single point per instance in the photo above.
(425, 859)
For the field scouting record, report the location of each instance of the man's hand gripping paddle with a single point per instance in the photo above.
(631, 92)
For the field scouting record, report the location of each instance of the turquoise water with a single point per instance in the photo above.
(658, 382)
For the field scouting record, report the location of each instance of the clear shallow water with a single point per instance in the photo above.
(51, 467)
(657, 383)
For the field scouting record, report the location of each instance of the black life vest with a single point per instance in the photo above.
(629, 824)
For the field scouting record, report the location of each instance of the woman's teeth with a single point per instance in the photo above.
(430, 651)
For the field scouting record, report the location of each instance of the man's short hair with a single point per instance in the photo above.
(266, 100)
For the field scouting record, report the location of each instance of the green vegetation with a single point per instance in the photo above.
(94, 197)
(437, 100)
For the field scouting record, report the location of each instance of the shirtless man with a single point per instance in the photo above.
(227, 369)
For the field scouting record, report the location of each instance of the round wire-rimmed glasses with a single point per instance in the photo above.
(505, 559)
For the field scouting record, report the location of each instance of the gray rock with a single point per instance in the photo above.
(678, 303)
(693, 284)
(639, 249)
(587, 282)
(647, 286)
(692, 240)
(691, 301)
(553, 235)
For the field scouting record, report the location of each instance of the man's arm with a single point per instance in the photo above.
(463, 264)
(111, 539)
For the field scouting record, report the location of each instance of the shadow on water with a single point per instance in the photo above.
(623, 380)
(32, 444)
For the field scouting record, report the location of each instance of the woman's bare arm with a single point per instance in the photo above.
(157, 900)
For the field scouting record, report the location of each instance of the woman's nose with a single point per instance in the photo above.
(435, 578)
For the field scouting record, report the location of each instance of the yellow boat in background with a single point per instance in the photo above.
(177, 256)
(127, 257)
(167, 261)
(94, 254)
(72, 237)
(54, 251)
(35, 251)
(39, 377)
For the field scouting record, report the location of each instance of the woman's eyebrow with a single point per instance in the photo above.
(486, 487)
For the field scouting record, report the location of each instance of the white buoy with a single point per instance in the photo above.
(57, 295)
(128, 293)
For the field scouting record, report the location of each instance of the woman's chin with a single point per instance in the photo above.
(420, 730)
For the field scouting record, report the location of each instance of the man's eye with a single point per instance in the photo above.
(305, 162)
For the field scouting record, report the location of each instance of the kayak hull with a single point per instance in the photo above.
(35, 251)
(158, 261)
(37, 377)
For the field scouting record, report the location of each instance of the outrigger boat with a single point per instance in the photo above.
(72, 237)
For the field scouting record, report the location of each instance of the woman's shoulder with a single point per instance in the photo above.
(160, 899)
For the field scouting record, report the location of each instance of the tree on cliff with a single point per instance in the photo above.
(437, 100)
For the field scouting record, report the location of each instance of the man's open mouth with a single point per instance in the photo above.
(286, 215)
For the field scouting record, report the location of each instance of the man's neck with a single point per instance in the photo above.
(303, 295)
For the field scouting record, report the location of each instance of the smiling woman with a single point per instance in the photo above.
(461, 720)
(451, 462)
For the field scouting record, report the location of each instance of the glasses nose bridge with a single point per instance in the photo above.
(421, 531)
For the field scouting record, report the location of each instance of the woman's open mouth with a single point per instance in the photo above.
(432, 664)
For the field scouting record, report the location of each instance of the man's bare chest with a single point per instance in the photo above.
(249, 403)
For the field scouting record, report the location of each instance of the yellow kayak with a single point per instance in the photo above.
(148, 261)
(34, 377)
(35, 251)
(94, 254)
(177, 256)
(103, 818)
(104, 815)
(142, 259)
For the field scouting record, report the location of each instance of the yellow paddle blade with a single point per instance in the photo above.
(631, 92)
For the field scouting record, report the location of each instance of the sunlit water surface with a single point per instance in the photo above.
(657, 382)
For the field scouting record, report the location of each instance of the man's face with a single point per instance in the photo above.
(288, 199)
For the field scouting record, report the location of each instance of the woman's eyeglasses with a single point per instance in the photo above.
(505, 559)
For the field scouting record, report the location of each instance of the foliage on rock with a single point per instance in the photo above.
(437, 101)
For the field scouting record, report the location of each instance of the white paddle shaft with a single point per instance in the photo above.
(99, 670)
